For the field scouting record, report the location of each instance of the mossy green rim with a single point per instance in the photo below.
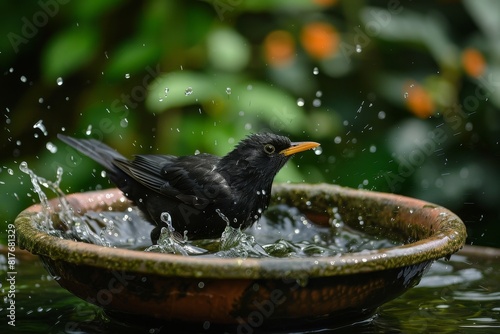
(444, 235)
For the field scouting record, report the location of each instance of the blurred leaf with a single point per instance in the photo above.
(227, 50)
(275, 106)
(69, 51)
(402, 27)
(180, 89)
(485, 14)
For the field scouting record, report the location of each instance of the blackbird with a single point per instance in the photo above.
(203, 193)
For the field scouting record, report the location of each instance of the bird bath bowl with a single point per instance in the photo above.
(253, 292)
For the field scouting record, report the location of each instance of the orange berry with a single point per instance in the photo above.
(279, 48)
(320, 40)
(473, 62)
(418, 100)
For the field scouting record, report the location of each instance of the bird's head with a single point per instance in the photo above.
(262, 155)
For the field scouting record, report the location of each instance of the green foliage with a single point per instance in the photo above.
(404, 97)
(68, 52)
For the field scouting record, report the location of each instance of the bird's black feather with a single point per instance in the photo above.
(202, 193)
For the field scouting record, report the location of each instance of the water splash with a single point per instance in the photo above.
(172, 242)
(235, 243)
(60, 221)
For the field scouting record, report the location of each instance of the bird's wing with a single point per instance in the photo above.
(146, 169)
(190, 179)
(197, 179)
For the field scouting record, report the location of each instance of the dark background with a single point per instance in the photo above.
(403, 96)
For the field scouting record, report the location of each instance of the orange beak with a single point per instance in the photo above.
(299, 147)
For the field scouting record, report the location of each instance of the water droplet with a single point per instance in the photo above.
(51, 147)
(127, 75)
(59, 81)
(188, 91)
(11, 172)
(300, 102)
(89, 130)
(23, 78)
(316, 103)
(40, 100)
(337, 140)
(405, 95)
(381, 114)
(166, 91)
(319, 93)
(358, 48)
(248, 126)
(124, 123)
(228, 91)
(318, 150)
(373, 149)
(315, 71)
(39, 125)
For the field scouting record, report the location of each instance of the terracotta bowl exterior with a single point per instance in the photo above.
(254, 292)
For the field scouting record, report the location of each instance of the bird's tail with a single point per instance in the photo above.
(101, 153)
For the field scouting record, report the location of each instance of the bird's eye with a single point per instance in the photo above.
(269, 149)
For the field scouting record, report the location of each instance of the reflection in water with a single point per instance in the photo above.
(468, 305)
